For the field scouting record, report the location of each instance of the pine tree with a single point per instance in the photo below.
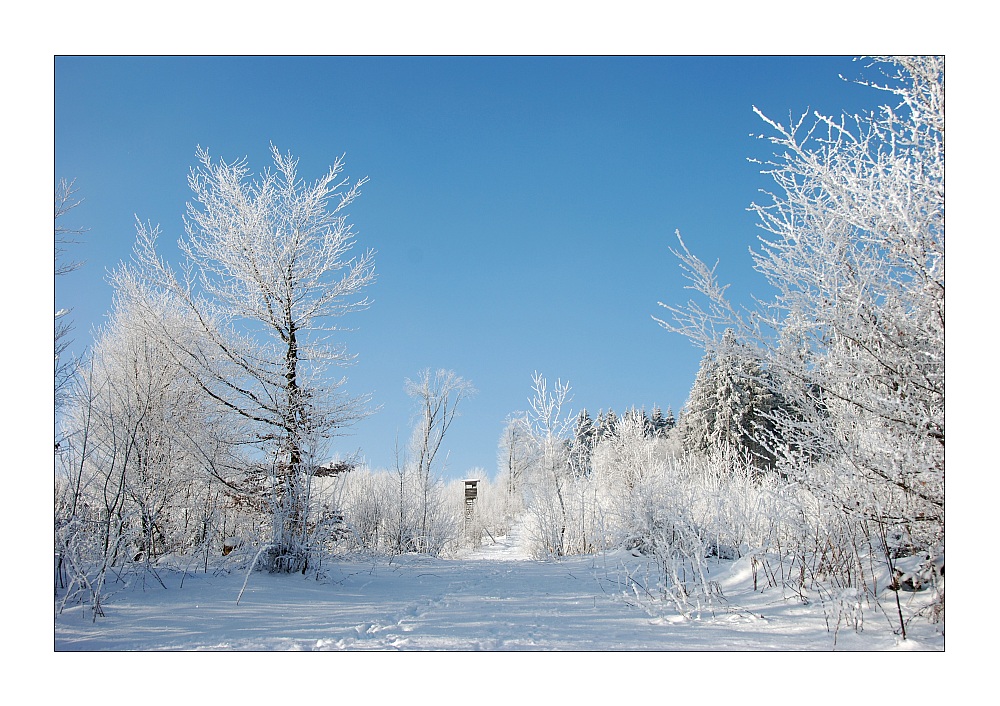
(585, 438)
(732, 407)
(669, 422)
(610, 423)
(698, 415)
(657, 422)
(632, 417)
(586, 432)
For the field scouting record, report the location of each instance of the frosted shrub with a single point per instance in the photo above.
(393, 513)
(368, 509)
(440, 526)
(667, 530)
(734, 502)
(544, 525)
(649, 504)
(843, 543)
(564, 514)
(681, 512)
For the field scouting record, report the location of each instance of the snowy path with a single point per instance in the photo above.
(494, 599)
(504, 548)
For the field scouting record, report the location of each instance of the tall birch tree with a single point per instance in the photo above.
(267, 270)
(437, 395)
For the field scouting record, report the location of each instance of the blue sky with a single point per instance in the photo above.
(522, 207)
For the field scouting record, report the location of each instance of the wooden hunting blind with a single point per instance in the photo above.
(471, 492)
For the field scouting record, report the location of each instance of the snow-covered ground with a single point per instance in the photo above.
(494, 598)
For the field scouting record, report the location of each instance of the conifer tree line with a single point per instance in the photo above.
(198, 431)
(590, 431)
(731, 410)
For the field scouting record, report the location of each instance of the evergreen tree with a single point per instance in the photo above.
(698, 415)
(586, 432)
(732, 406)
(669, 422)
(632, 416)
(639, 418)
(580, 447)
(610, 423)
(657, 422)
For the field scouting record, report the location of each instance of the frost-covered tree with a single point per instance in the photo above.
(134, 478)
(610, 423)
(65, 236)
(582, 443)
(551, 476)
(731, 407)
(698, 415)
(515, 456)
(657, 422)
(437, 395)
(267, 271)
(585, 430)
(669, 421)
(853, 244)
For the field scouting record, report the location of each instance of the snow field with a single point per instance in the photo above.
(493, 599)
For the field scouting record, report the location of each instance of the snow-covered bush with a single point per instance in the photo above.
(515, 455)
(684, 511)
(392, 512)
(135, 468)
(368, 504)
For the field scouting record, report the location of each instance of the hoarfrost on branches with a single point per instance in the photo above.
(853, 244)
(267, 271)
